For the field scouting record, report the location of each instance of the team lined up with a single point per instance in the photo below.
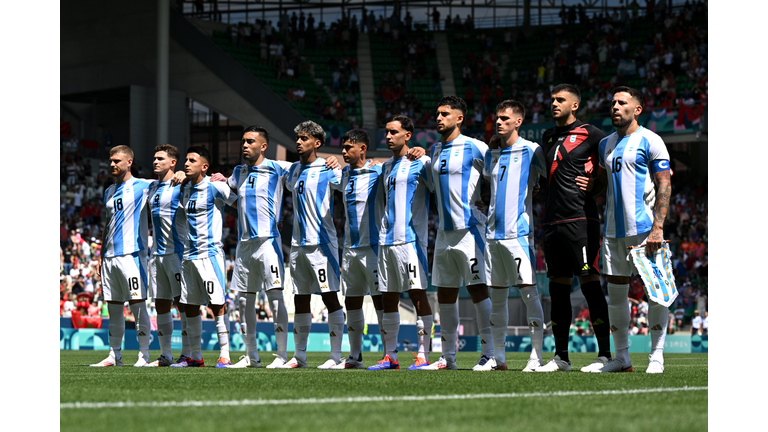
(384, 251)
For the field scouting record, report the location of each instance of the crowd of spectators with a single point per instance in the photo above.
(594, 53)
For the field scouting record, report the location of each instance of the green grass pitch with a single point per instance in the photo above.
(209, 399)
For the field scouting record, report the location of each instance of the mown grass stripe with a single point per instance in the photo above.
(417, 398)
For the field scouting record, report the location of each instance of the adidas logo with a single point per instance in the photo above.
(279, 329)
(534, 324)
(323, 286)
(442, 338)
(141, 333)
(276, 282)
(586, 267)
(598, 322)
(333, 334)
(553, 323)
(492, 324)
(350, 328)
(134, 294)
(476, 278)
(482, 341)
(412, 282)
(614, 328)
(295, 332)
(656, 327)
(519, 278)
(159, 333)
(110, 333)
(184, 333)
(422, 332)
(383, 331)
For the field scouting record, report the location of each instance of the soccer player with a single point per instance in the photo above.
(203, 264)
(363, 208)
(314, 249)
(513, 166)
(572, 227)
(169, 232)
(403, 252)
(635, 167)
(123, 269)
(457, 165)
(259, 185)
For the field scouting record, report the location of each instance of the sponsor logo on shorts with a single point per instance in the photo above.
(279, 329)
(442, 338)
(482, 341)
(586, 267)
(323, 286)
(534, 324)
(333, 334)
(476, 278)
(614, 328)
(277, 281)
(657, 327)
(349, 328)
(141, 333)
(159, 333)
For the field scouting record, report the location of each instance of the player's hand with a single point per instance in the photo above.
(373, 162)
(495, 142)
(654, 241)
(331, 162)
(584, 183)
(218, 177)
(416, 153)
(480, 206)
(536, 189)
(178, 177)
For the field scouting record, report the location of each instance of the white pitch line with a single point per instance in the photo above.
(265, 402)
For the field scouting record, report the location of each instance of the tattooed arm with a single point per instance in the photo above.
(663, 193)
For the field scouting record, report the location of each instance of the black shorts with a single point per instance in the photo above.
(572, 248)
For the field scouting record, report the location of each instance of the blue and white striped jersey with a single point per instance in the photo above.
(126, 210)
(513, 172)
(312, 189)
(203, 203)
(169, 223)
(629, 163)
(259, 198)
(457, 168)
(407, 185)
(362, 208)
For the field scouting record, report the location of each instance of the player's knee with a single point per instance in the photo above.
(478, 292)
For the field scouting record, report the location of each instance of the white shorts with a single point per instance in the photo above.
(124, 277)
(360, 271)
(403, 267)
(165, 276)
(510, 262)
(315, 269)
(258, 265)
(459, 258)
(203, 281)
(615, 254)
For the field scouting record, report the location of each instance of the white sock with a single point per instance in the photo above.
(380, 320)
(618, 314)
(483, 311)
(499, 320)
(424, 331)
(336, 331)
(280, 319)
(186, 350)
(391, 331)
(164, 334)
(355, 326)
(222, 330)
(535, 314)
(302, 324)
(143, 327)
(195, 333)
(658, 316)
(449, 314)
(116, 329)
(250, 317)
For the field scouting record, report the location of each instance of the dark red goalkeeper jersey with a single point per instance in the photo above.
(571, 151)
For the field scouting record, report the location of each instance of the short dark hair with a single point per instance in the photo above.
(454, 102)
(635, 93)
(570, 88)
(312, 129)
(172, 151)
(514, 105)
(202, 151)
(405, 122)
(259, 130)
(358, 136)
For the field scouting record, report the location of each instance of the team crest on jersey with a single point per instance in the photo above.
(515, 158)
(573, 138)
(313, 175)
